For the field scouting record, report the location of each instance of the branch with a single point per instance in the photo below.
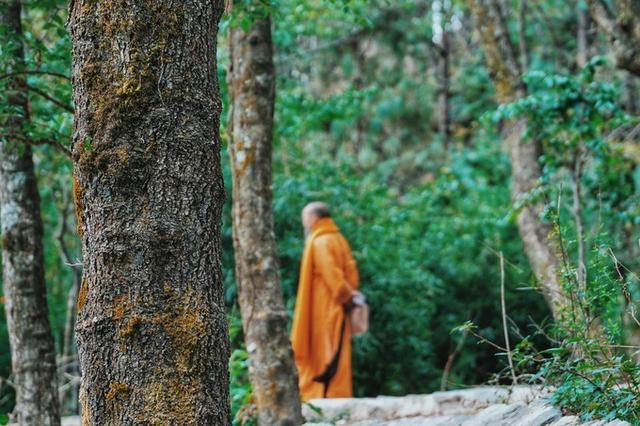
(619, 26)
(504, 322)
(347, 39)
(50, 99)
(34, 72)
(53, 143)
(451, 359)
(499, 52)
(603, 16)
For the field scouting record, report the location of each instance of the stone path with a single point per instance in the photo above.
(485, 406)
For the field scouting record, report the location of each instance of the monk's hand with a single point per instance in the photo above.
(351, 303)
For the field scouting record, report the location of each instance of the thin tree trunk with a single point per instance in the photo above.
(522, 35)
(69, 361)
(33, 359)
(264, 318)
(582, 56)
(631, 90)
(537, 236)
(359, 84)
(444, 92)
(576, 187)
(441, 18)
(539, 245)
(69, 364)
(151, 329)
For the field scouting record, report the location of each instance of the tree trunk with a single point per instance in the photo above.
(444, 92)
(620, 21)
(33, 359)
(539, 245)
(522, 35)
(264, 318)
(631, 89)
(151, 329)
(582, 37)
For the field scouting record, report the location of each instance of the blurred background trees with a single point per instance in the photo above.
(389, 112)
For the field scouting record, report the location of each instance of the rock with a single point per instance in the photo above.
(540, 416)
(453, 403)
(482, 406)
(360, 409)
(413, 421)
(568, 421)
(497, 415)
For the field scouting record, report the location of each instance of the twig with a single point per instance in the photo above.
(34, 72)
(625, 289)
(451, 359)
(504, 321)
(55, 144)
(51, 99)
(51, 142)
(483, 339)
(576, 175)
(632, 134)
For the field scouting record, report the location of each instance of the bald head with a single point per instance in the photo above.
(312, 212)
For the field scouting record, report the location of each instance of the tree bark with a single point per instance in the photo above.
(33, 359)
(151, 329)
(444, 91)
(522, 35)
(539, 245)
(631, 88)
(622, 26)
(582, 37)
(264, 318)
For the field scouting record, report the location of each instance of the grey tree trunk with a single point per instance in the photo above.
(264, 318)
(33, 359)
(151, 329)
(540, 246)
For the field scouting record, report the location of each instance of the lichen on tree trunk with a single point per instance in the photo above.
(252, 86)
(152, 332)
(32, 350)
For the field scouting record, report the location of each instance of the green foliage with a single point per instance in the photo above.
(575, 118)
(240, 392)
(427, 258)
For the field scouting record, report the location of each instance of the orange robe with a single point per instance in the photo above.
(328, 279)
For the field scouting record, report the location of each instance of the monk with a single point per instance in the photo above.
(321, 335)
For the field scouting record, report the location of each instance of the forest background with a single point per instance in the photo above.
(388, 112)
